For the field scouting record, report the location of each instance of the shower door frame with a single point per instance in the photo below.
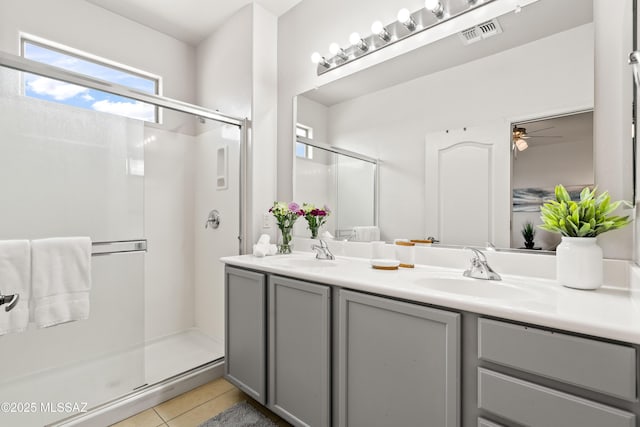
(19, 63)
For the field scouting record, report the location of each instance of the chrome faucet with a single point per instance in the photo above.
(479, 268)
(322, 250)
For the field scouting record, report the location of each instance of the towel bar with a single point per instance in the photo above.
(118, 247)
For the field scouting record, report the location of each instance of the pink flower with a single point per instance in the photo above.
(294, 207)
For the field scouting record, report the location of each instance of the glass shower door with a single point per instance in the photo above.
(65, 172)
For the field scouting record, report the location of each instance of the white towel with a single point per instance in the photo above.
(61, 280)
(15, 278)
(366, 233)
(261, 249)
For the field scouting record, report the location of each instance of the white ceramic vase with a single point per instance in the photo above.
(579, 263)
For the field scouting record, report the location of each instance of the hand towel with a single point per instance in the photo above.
(366, 233)
(61, 280)
(15, 278)
(261, 250)
(263, 247)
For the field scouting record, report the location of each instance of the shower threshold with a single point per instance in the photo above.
(91, 384)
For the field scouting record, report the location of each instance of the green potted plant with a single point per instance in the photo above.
(578, 257)
(529, 233)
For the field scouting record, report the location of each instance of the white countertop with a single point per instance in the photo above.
(608, 312)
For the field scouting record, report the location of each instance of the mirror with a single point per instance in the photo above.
(342, 181)
(539, 150)
(440, 119)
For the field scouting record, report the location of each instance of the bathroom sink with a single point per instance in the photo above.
(477, 288)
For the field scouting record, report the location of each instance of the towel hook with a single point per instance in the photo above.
(10, 300)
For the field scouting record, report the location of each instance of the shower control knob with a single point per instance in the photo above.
(213, 220)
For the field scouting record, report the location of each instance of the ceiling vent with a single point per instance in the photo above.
(480, 32)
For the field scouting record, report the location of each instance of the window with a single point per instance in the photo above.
(304, 131)
(303, 150)
(80, 96)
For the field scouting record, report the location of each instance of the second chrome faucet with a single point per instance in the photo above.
(479, 268)
(322, 250)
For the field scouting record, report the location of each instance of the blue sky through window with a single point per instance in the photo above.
(79, 96)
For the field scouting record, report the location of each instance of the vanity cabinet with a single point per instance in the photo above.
(398, 363)
(245, 331)
(321, 355)
(529, 366)
(299, 351)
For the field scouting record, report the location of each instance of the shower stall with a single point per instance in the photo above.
(161, 203)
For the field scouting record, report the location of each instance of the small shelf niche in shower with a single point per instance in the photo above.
(222, 172)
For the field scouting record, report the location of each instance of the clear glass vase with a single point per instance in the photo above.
(285, 246)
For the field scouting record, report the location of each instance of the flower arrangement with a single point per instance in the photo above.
(286, 215)
(315, 217)
(588, 217)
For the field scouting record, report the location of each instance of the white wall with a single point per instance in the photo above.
(236, 75)
(224, 83)
(612, 114)
(314, 115)
(313, 24)
(264, 132)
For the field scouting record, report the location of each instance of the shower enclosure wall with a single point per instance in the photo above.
(66, 171)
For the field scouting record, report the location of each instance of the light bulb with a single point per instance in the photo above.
(336, 50)
(521, 144)
(404, 16)
(381, 31)
(377, 28)
(355, 38)
(432, 4)
(316, 57)
(435, 7)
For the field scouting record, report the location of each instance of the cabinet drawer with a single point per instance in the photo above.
(595, 365)
(533, 405)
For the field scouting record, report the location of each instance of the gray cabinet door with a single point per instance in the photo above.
(398, 363)
(299, 351)
(245, 331)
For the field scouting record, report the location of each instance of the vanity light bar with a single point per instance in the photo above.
(434, 12)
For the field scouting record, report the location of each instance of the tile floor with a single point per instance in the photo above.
(195, 407)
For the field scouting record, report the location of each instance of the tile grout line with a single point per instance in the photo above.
(197, 406)
(164, 423)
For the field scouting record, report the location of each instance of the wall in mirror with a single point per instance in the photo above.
(460, 113)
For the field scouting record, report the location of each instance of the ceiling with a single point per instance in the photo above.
(190, 21)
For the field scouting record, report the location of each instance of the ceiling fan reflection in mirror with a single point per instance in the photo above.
(520, 136)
